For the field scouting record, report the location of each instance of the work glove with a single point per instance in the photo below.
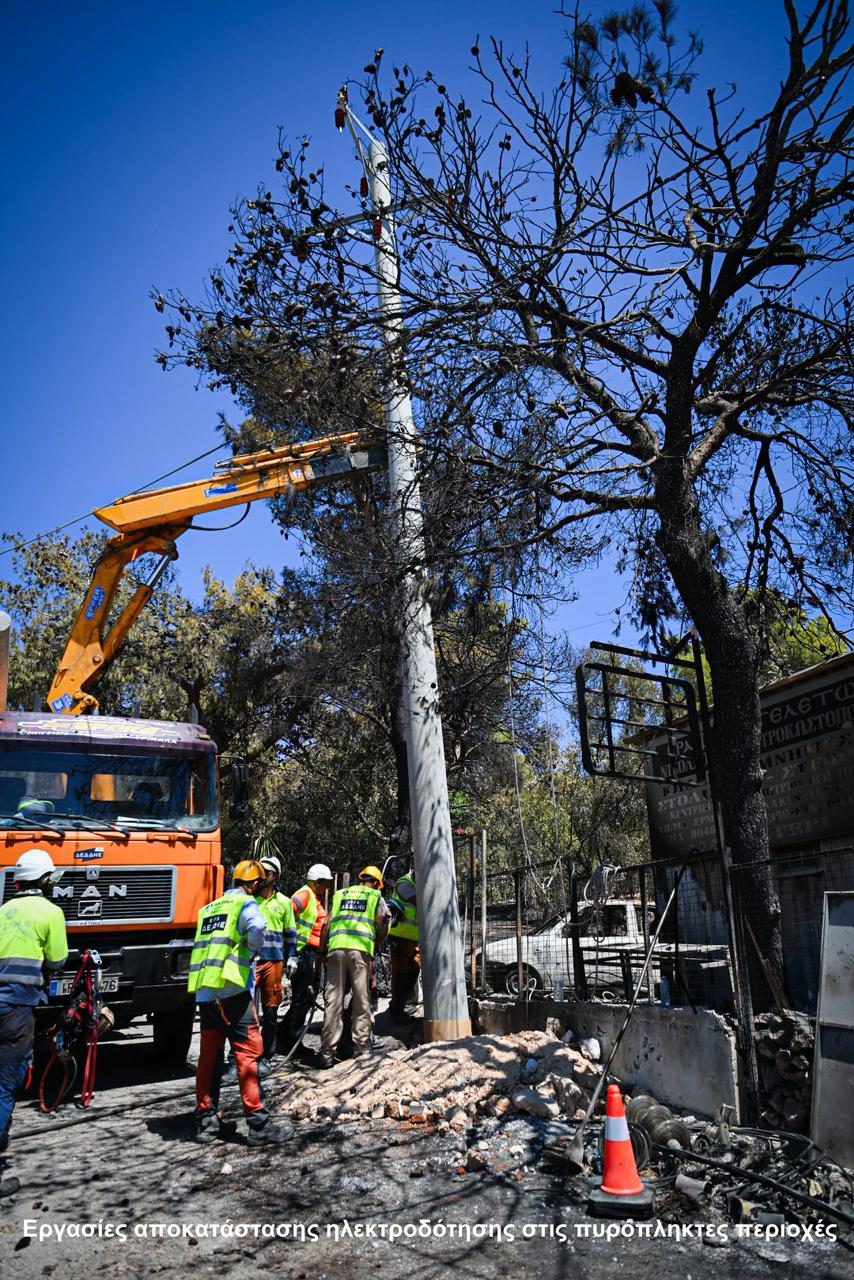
(291, 966)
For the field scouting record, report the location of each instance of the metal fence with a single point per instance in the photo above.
(551, 930)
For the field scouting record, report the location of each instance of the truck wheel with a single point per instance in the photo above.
(173, 1031)
(531, 981)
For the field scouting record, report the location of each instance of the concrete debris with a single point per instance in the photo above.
(535, 1103)
(569, 1094)
(454, 1081)
(591, 1048)
(458, 1118)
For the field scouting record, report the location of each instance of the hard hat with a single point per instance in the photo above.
(34, 865)
(272, 864)
(248, 870)
(319, 871)
(374, 873)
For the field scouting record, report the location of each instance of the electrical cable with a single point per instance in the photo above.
(218, 528)
(183, 467)
(39, 537)
(690, 1157)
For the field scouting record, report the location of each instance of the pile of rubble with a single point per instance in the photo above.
(452, 1083)
(785, 1044)
(510, 1104)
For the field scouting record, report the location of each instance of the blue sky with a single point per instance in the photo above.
(128, 130)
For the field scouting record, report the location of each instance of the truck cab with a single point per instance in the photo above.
(129, 811)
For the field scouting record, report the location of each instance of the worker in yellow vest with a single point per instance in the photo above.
(229, 935)
(356, 928)
(309, 904)
(33, 946)
(277, 956)
(405, 953)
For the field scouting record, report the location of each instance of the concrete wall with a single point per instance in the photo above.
(684, 1059)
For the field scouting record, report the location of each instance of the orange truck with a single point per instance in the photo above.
(130, 809)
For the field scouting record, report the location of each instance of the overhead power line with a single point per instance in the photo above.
(39, 537)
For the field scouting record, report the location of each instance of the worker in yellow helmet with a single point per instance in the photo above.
(356, 928)
(229, 935)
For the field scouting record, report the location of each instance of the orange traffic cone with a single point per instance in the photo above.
(622, 1194)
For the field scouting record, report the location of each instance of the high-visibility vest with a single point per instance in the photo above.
(220, 955)
(353, 919)
(32, 930)
(281, 933)
(408, 926)
(310, 920)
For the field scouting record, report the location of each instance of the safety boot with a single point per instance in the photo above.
(210, 1127)
(259, 1135)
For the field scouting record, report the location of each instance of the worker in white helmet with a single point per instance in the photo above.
(310, 913)
(277, 956)
(33, 945)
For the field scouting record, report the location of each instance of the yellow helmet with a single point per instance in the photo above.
(373, 873)
(248, 870)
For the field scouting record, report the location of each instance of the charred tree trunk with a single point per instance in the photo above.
(732, 652)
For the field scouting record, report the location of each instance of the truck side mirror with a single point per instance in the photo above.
(239, 779)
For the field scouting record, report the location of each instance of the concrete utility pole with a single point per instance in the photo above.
(446, 1015)
(5, 627)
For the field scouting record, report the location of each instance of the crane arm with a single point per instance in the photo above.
(152, 521)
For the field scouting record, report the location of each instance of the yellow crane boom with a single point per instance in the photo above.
(152, 521)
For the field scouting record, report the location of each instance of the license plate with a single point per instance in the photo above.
(62, 986)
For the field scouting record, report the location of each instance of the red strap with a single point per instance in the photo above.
(87, 1090)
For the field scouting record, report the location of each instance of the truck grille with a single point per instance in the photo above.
(95, 896)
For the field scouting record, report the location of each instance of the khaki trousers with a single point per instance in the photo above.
(342, 964)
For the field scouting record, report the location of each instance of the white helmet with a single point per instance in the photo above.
(271, 864)
(319, 871)
(34, 865)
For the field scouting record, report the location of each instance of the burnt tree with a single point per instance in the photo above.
(625, 315)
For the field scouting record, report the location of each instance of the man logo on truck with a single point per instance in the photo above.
(93, 906)
(67, 891)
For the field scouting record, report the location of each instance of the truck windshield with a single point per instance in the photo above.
(61, 788)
